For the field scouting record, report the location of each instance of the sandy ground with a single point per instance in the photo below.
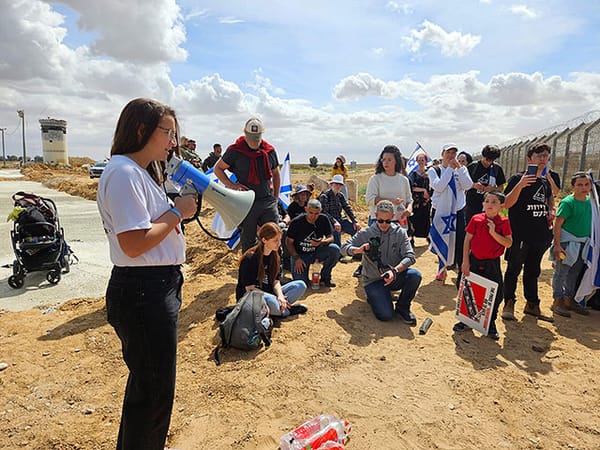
(65, 378)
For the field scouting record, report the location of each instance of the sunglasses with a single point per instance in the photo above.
(388, 221)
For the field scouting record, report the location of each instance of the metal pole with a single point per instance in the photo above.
(21, 114)
(3, 151)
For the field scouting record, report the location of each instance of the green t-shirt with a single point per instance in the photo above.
(577, 215)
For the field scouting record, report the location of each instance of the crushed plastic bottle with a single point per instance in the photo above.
(314, 434)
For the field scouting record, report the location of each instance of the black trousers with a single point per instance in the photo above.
(526, 256)
(490, 269)
(142, 305)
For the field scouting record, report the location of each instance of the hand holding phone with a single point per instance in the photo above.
(531, 169)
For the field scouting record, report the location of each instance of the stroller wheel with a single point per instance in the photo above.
(17, 269)
(53, 276)
(16, 282)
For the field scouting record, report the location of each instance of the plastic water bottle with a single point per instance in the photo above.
(316, 274)
(315, 433)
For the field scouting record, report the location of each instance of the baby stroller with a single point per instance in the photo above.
(37, 240)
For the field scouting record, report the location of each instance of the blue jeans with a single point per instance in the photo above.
(142, 305)
(379, 296)
(327, 255)
(347, 227)
(564, 280)
(292, 292)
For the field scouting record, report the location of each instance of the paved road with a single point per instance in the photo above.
(84, 234)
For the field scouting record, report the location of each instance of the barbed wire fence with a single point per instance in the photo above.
(575, 146)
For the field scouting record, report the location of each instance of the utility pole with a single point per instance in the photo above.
(21, 114)
(2, 130)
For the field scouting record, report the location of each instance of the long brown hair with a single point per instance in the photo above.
(268, 231)
(399, 166)
(135, 126)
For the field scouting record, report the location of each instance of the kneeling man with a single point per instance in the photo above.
(387, 256)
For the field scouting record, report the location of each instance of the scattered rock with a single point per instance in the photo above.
(3, 366)
(45, 353)
(553, 354)
(538, 348)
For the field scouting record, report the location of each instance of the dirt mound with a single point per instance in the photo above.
(535, 388)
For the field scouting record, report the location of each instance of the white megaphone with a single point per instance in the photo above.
(233, 206)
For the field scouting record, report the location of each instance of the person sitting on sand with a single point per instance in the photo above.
(260, 269)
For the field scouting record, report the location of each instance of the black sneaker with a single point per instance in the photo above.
(328, 283)
(297, 309)
(358, 271)
(407, 317)
(493, 334)
(459, 326)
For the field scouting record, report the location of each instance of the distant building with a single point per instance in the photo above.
(54, 141)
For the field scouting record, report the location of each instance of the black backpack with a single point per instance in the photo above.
(246, 326)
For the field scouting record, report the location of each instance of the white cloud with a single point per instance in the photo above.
(159, 24)
(524, 11)
(378, 52)
(362, 85)
(451, 44)
(403, 7)
(230, 20)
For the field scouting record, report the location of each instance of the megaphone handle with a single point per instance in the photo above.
(188, 189)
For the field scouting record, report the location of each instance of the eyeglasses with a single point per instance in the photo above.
(168, 131)
(388, 221)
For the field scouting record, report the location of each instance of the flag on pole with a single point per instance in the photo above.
(285, 190)
(218, 226)
(412, 165)
(591, 277)
(443, 228)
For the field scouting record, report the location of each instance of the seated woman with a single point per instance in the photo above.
(260, 269)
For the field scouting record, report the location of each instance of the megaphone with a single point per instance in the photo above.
(233, 206)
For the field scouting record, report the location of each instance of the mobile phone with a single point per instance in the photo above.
(532, 169)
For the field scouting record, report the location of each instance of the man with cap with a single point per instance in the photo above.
(339, 168)
(300, 197)
(310, 238)
(254, 163)
(334, 202)
(188, 151)
(449, 182)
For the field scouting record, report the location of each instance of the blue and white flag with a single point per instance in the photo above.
(412, 165)
(591, 277)
(218, 226)
(443, 229)
(285, 190)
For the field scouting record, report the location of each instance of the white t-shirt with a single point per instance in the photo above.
(129, 199)
(385, 186)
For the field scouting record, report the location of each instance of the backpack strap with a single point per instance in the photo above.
(216, 355)
(257, 312)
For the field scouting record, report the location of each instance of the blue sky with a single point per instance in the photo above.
(327, 78)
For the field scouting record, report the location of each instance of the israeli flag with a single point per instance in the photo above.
(412, 165)
(443, 229)
(591, 277)
(285, 190)
(218, 226)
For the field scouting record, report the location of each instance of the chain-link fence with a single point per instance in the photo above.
(575, 146)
